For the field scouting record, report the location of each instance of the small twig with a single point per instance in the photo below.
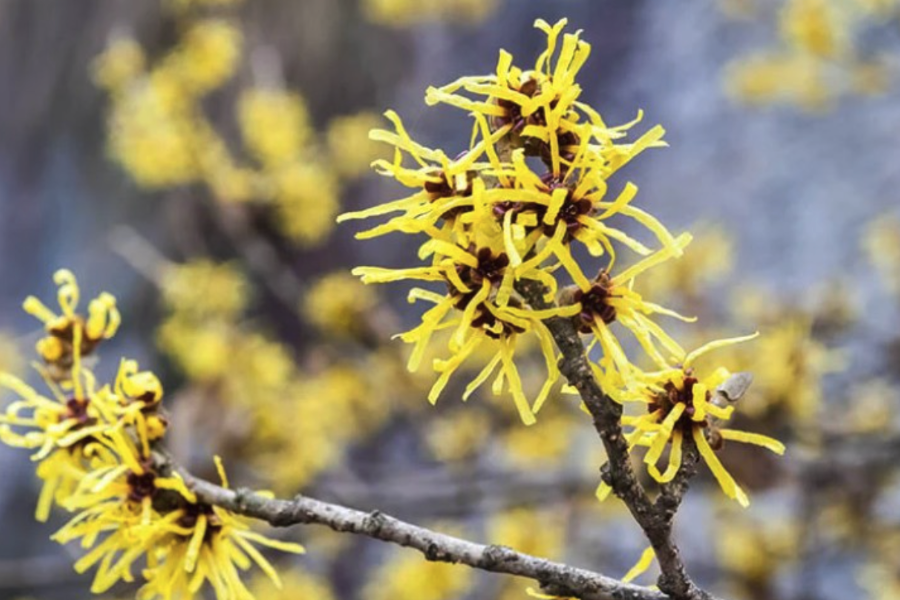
(140, 254)
(259, 255)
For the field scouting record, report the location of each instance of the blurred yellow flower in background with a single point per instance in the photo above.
(275, 125)
(205, 289)
(405, 576)
(404, 13)
(708, 259)
(459, 435)
(206, 57)
(351, 149)
(756, 549)
(820, 55)
(814, 26)
(296, 584)
(339, 304)
(881, 243)
(306, 200)
(122, 62)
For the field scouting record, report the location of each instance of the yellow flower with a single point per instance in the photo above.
(306, 201)
(119, 65)
(57, 423)
(608, 299)
(459, 435)
(206, 57)
(444, 187)
(274, 124)
(204, 289)
(62, 429)
(207, 544)
(707, 260)
(116, 515)
(541, 105)
(780, 77)
(339, 304)
(407, 577)
(538, 104)
(96, 460)
(67, 429)
(295, 585)
(814, 26)
(150, 133)
(482, 309)
(493, 222)
(539, 218)
(59, 348)
(349, 145)
(680, 403)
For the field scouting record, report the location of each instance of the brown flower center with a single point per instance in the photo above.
(77, 410)
(513, 110)
(192, 513)
(490, 268)
(570, 212)
(446, 187)
(141, 486)
(672, 396)
(595, 303)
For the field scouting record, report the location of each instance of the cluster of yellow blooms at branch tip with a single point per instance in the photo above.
(515, 212)
(96, 451)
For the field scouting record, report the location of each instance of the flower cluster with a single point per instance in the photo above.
(518, 211)
(160, 134)
(271, 399)
(96, 449)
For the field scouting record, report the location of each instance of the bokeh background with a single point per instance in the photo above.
(190, 156)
